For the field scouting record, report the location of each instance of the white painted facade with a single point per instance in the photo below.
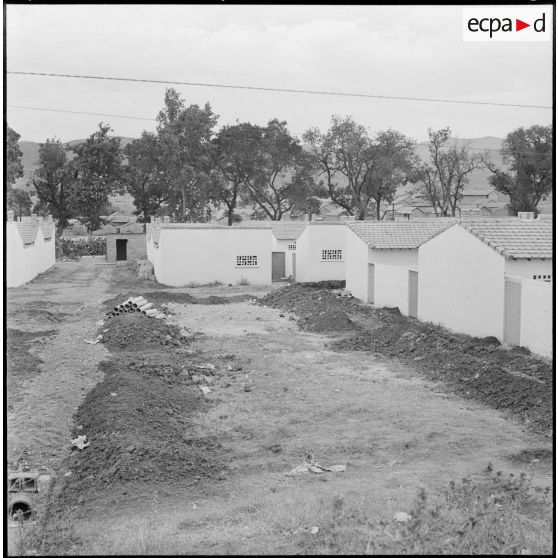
(356, 265)
(536, 316)
(391, 277)
(186, 254)
(316, 238)
(528, 268)
(461, 284)
(25, 261)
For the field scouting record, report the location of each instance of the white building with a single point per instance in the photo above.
(381, 260)
(198, 253)
(320, 252)
(30, 248)
(471, 275)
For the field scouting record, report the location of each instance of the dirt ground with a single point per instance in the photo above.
(171, 470)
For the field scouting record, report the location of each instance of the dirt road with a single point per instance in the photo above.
(65, 303)
(286, 397)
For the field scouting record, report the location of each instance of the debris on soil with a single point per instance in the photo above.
(98, 339)
(313, 467)
(477, 368)
(80, 442)
(137, 332)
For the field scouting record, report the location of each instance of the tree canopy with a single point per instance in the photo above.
(528, 179)
(14, 166)
(441, 181)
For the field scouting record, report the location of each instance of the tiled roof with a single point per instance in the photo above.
(513, 237)
(48, 229)
(387, 235)
(289, 230)
(28, 230)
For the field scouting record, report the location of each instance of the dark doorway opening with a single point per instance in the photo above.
(121, 249)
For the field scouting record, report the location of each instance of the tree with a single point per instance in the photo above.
(185, 134)
(144, 176)
(234, 152)
(391, 160)
(283, 176)
(19, 201)
(360, 170)
(528, 180)
(442, 180)
(14, 167)
(52, 180)
(96, 173)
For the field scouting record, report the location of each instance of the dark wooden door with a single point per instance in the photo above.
(277, 266)
(121, 249)
(413, 294)
(371, 283)
(512, 312)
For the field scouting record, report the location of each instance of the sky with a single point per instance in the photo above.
(409, 51)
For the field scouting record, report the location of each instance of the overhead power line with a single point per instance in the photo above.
(295, 134)
(81, 112)
(280, 90)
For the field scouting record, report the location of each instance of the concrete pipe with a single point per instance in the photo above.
(151, 312)
(146, 306)
(21, 507)
(136, 299)
(140, 301)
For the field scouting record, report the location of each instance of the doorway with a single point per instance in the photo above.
(121, 249)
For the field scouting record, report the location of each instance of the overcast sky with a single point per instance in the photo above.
(410, 51)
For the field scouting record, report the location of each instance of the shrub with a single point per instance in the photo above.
(75, 249)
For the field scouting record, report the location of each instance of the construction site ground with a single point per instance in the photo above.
(294, 374)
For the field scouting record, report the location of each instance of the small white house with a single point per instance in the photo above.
(30, 248)
(381, 261)
(465, 275)
(320, 252)
(198, 253)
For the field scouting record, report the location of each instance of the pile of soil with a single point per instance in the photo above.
(479, 368)
(136, 332)
(318, 309)
(136, 422)
(331, 320)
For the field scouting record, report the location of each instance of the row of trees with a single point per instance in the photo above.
(187, 166)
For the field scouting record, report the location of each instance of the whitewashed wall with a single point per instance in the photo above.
(526, 268)
(356, 265)
(316, 237)
(536, 316)
(391, 277)
(202, 255)
(24, 262)
(461, 284)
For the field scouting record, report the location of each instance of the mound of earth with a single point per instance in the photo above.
(331, 320)
(136, 423)
(186, 298)
(138, 332)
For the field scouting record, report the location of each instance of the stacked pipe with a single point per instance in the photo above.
(136, 304)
